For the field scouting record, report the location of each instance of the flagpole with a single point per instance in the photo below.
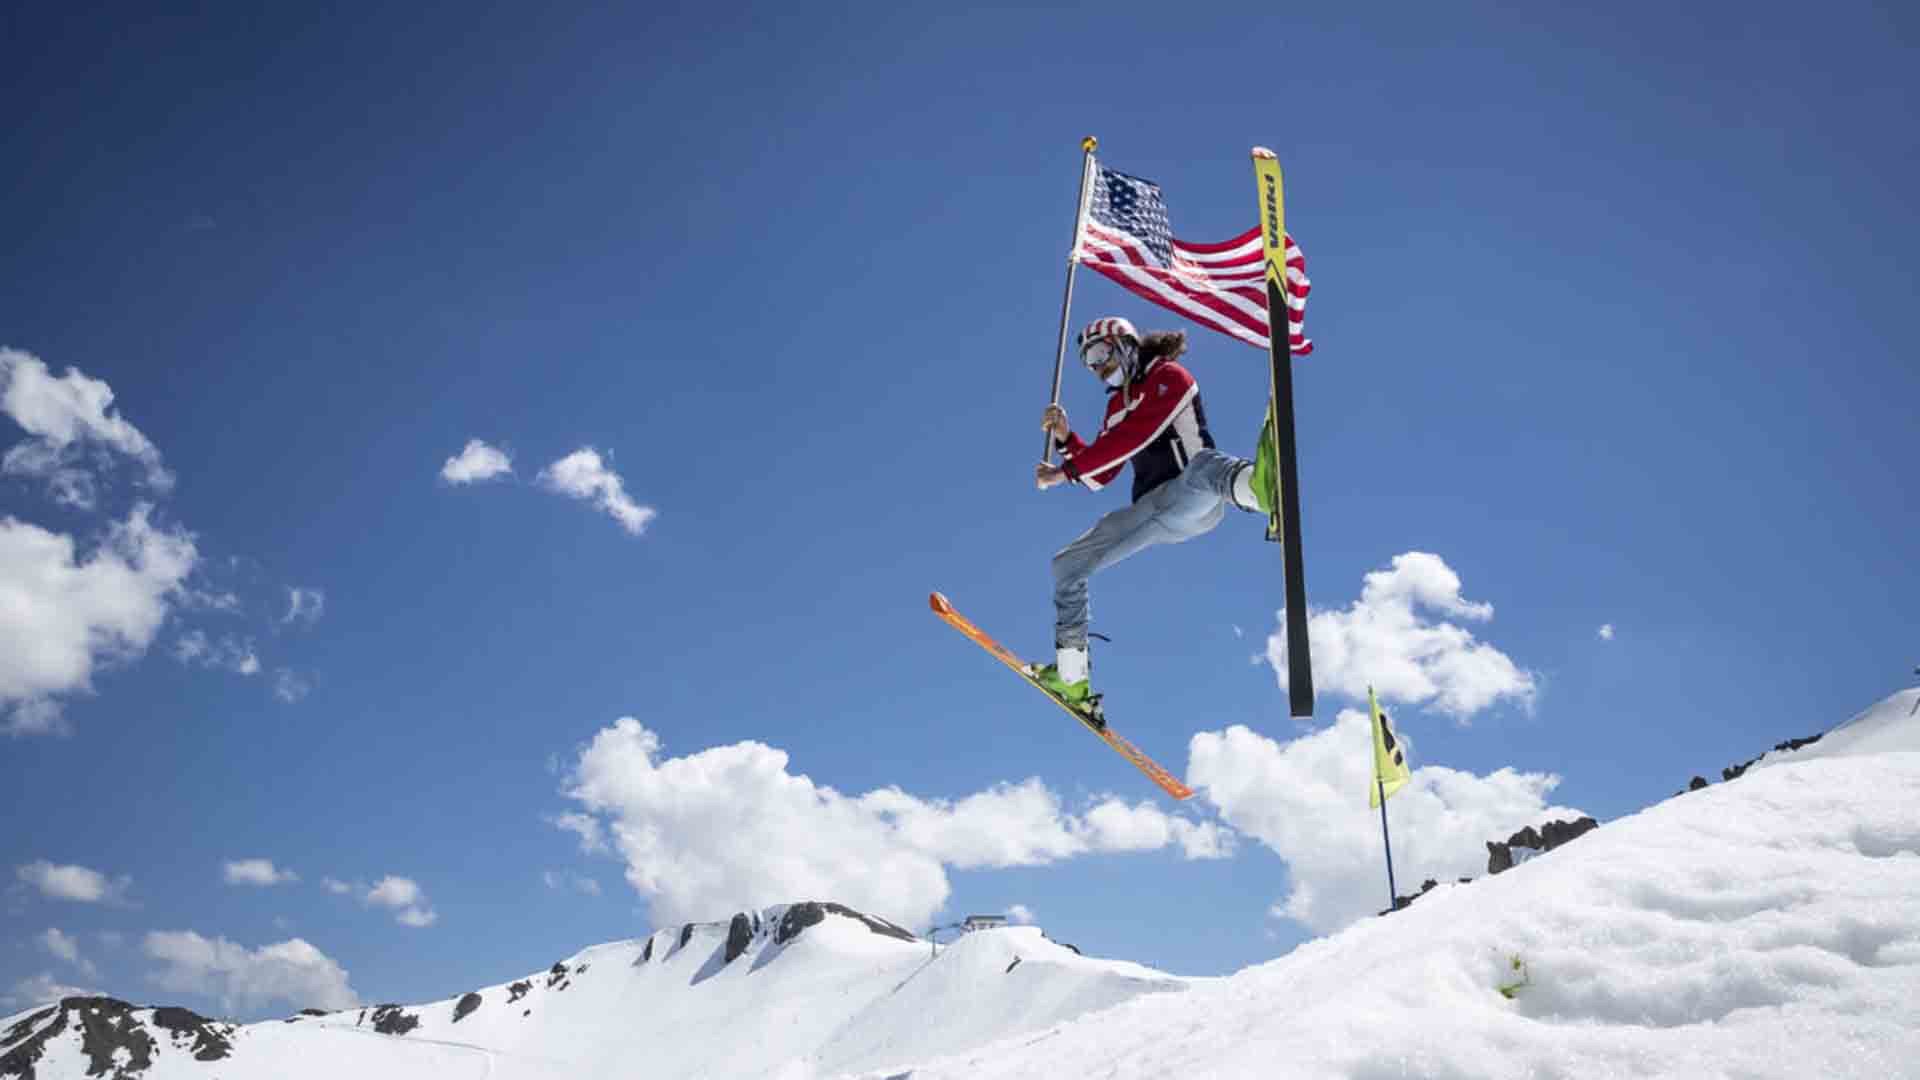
(1380, 750)
(1087, 146)
(1393, 894)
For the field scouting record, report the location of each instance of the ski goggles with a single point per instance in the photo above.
(1100, 353)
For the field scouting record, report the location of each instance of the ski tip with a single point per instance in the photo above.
(938, 602)
(1263, 152)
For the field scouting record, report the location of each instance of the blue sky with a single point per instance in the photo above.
(1611, 314)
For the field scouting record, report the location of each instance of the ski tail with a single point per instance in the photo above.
(1273, 222)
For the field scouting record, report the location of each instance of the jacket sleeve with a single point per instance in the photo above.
(1150, 406)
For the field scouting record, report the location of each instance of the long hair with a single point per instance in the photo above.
(1162, 345)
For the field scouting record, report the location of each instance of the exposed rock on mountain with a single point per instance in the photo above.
(114, 1039)
(1534, 841)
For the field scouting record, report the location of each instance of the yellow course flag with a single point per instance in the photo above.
(1389, 757)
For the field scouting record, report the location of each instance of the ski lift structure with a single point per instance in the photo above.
(969, 925)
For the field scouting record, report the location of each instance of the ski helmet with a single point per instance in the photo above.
(1111, 337)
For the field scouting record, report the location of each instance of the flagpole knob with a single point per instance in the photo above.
(1089, 144)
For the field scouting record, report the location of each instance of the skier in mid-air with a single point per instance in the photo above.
(1181, 484)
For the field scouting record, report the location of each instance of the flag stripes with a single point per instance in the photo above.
(1221, 286)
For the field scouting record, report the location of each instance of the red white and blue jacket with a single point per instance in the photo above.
(1156, 421)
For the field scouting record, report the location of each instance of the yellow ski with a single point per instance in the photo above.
(1273, 229)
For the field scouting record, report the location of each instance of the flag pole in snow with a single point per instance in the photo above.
(1087, 146)
(1390, 774)
(1393, 894)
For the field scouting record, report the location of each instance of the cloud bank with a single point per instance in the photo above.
(731, 827)
(1306, 801)
(66, 418)
(1397, 638)
(64, 614)
(291, 971)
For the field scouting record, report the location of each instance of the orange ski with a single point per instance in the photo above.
(1166, 780)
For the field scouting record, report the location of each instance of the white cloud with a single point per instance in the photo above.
(68, 949)
(730, 827)
(62, 614)
(73, 883)
(1145, 827)
(240, 978)
(406, 895)
(335, 886)
(1385, 640)
(289, 686)
(67, 416)
(395, 892)
(592, 838)
(476, 463)
(1306, 800)
(36, 716)
(70, 487)
(418, 918)
(202, 599)
(1606, 631)
(582, 475)
(227, 654)
(1021, 914)
(304, 605)
(580, 883)
(42, 989)
(257, 872)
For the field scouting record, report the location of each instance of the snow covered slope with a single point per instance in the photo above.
(1765, 927)
(1889, 726)
(794, 990)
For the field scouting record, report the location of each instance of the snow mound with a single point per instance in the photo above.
(1762, 928)
(1011, 981)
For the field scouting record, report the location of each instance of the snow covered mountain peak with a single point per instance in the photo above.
(801, 989)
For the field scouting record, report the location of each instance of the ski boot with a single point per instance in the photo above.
(1265, 479)
(1066, 679)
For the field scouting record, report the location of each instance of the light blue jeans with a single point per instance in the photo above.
(1184, 507)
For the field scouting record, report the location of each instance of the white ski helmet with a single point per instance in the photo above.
(1108, 337)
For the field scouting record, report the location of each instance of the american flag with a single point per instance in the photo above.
(1221, 286)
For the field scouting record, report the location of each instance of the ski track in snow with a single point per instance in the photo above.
(489, 1055)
